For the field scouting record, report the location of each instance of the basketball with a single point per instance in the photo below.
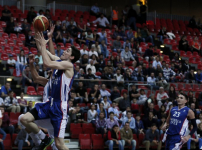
(41, 23)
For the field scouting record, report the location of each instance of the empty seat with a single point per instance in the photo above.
(31, 90)
(97, 141)
(75, 132)
(40, 90)
(85, 144)
(14, 118)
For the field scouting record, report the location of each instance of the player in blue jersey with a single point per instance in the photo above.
(177, 123)
(57, 106)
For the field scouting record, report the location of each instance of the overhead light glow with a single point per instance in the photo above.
(162, 46)
(9, 79)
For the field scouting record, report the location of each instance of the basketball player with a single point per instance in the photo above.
(60, 84)
(178, 124)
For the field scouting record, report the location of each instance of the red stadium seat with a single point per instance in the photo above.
(21, 37)
(123, 91)
(13, 36)
(89, 130)
(84, 136)
(14, 118)
(16, 50)
(156, 107)
(5, 36)
(188, 87)
(75, 132)
(85, 144)
(40, 90)
(7, 142)
(4, 57)
(97, 141)
(19, 43)
(31, 90)
(15, 75)
(196, 88)
(81, 104)
(75, 125)
(33, 50)
(3, 24)
(87, 125)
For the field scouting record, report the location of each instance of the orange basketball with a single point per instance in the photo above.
(41, 23)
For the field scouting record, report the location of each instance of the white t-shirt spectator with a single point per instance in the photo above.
(92, 69)
(1, 115)
(104, 93)
(1, 101)
(12, 61)
(160, 97)
(101, 21)
(84, 52)
(155, 63)
(93, 53)
(106, 105)
(142, 99)
(119, 78)
(22, 60)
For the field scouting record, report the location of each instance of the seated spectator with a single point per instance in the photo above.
(132, 15)
(114, 110)
(84, 61)
(6, 125)
(30, 106)
(152, 81)
(66, 21)
(111, 121)
(146, 36)
(149, 121)
(183, 44)
(137, 74)
(95, 36)
(12, 103)
(133, 93)
(199, 120)
(91, 115)
(161, 96)
(58, 37)
(169, 74)
(105, 102)
(172, 94)
(79, 115)
(117, 47)
(128, 76)
(127, 56)
(142, 98)
(161, 122)
(40, 12)
(97, 47)
(193, 108)
(115, 33)
(102, 109)
(124, 114)
(10, 27)
(6, 14)
(152, 138)
(148, 55)
(27, 77)
(89, 38)
(195, 46)
(127, 44)
(130, 34)
(29, 40)
(104, 50)
(95, 93)
(72, 29)
(114, 138)
(47, 14)
(102, 36)
(119, 78)
(150, 69)
(31, 15)
(130, 120)
(92, 51)
(95, 11)
(92, 67)
(150, 109)
(161, 81)
(39, 56)
(23, 103)
(58, 51)
(192, 22)
(193, 139)
(81, 25)
(104, 92)
(81, 93)
(198, 76)
(122, 22)
(125, 102)
(156, 62)
(22, 139)
(139, 126)
(115, 93)
(21, 60)
(11, 61)
(190, 76)
(127, 136)
(199, 132)
(102, 22)
(162, 34)
(2, 132)
(101, 124)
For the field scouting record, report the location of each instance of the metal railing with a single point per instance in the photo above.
(8, 2)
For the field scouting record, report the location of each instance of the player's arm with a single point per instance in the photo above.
(63, 65)
(167, 122)
(36, 78)
(50, 43)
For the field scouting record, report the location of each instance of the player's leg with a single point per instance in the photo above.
(59, 142)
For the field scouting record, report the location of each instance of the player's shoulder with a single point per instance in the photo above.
(174, 108)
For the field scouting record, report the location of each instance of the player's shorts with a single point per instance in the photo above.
(173, 142)
(57, 112)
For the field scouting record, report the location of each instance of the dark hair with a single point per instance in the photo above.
(104, 97)
(163, 116)
(138, 114)
(129, 112)
(114, 126)
(89, 69)
(40, 11)
(127, 123)
(153, 124)
(32, 7)
(76, 53)
(58, 45)
(141, 90)
(111, 113)
(186, 97)
(10, 92)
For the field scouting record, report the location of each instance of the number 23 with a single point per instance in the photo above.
(176, 114)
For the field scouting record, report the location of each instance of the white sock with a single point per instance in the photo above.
(41, 134)
(35, 139)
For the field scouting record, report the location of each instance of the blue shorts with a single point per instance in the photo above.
(57, 114)
(173, 142)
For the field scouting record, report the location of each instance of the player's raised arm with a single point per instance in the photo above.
(50, 43)
(37, 79)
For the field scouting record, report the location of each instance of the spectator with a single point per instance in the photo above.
(72, 29)
(128, 76)
(21, 60)
(158, 70)
(125, 10)
(132, 15)
(161, 96)
(95, 11)
(195, 45)
(193, 108)
(134, 93)
(139, 125)
(127, 136)
(115, 93)
(156, 62)
(92, 67)
(172, 94)
(30, 106)
(12, 103)
(137, 74)
(45, 73)
(90, 76)
(47, 14)
(152, 81)
(115, 15)
(186, 66)
(102, 109)
(161, 81)
(93, 52)
(58, 37)
(84, 61)
(2, 132)
(92, 114)
(104, 50)
(152, 138)
(149, 121)
(79, 115)
(29, 40)
(169, 74)
(115, 33)
(123, 23)
(27, 77)
(146, 35)
(94, 93)
(127, 44)
(84, 50)
(162, 112)
(130, 120)
(142, 98)
(162, 34)
(150, 109)
(190, 76)
(6, 125)
(143, 12)
(117, 47)
(114, 138)
(104, 92)
(58, 51)
(192, 22)
(89, 38)
(130, 34)
(198, 76)
(111, 121)
(66, 21)
(39, 56)
(199, 132)
(103, 36)
(183, 44)
(97, 47)
(95, 36)
(119, 78)
(23, 103)
(10, 26)
(148, 55)
(81, 25)
(40, 12)
(6, 14)
(22, 138)
(31, 15)
(105, 102)
(101, 124)
(114, 110)
(199, 120)
(194, 138)
(127, 56)
(11, 62)
(102, 22)
(81, 93)
(124, 103)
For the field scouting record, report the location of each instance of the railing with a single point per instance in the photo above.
(8, 2)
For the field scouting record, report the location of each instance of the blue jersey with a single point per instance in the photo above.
(178, 121)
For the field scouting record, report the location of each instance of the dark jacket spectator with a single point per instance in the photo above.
(115, 94)
(124, 103)
(6, 14)
(29, 40)
(183, 44)
(31, 15)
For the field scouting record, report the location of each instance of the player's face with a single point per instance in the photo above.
(181, 100)
(66, 54)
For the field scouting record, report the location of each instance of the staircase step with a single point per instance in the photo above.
(72, 143)
(67, 134)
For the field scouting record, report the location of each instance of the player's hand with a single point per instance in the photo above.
(40, 39)
(1, 140)
(117, 142)
(31, 58)
(185, 138)
(28, 143)
(164, 127)
(52, 28)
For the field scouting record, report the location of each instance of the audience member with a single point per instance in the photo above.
(101, 124)
(134, 93)
(31, 15)
(58, 51)
(195, 45)
(29, 40)
(152, 81)
(129, 119)
(2, 132)
(162, 34)
(12, 103)
(95, 11)
(161, 96)
(92, 67)
(125, 102)
(79, 115)
(104, 50)
(126, 57)
(11, 61)
(81, 93)
(115, 93)
(183, 44)
(111, 121)
(149, 121)
(102, 22)
(105, 102)
(198, 76)
(146, 36)
(10, 27)
(93, 52)
(102, 109)
(169, 74)
(91, 115)
(30, 106)
(117, 47)
(150, 109)
(143, 12)
(27, 77)
(114, 110)
(6, 14)
(139, 126)
(23, 103)
(21, 60)
(81, 24)
(142, 98)
(132, 17)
